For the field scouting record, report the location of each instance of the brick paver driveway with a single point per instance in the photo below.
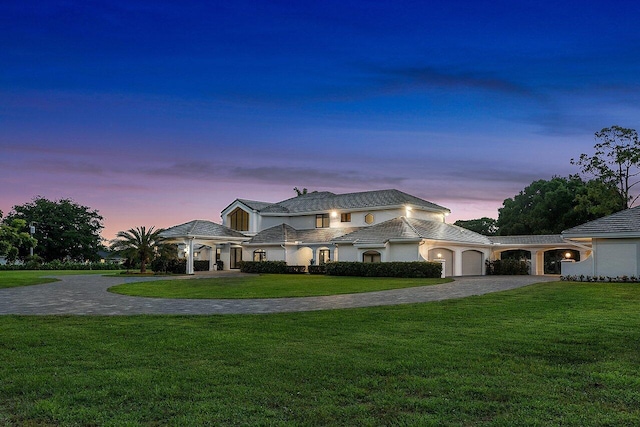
(88, 295)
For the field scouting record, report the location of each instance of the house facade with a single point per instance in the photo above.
(371, 226)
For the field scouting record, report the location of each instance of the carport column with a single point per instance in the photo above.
(537, 262)
(457, 262)
(190, 257)
(212, 258)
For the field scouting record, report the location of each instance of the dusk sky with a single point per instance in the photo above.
(157, 113)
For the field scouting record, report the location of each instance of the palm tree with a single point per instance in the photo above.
(300, 192)
(138, 242)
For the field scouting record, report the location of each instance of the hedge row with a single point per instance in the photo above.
(59, 265)
(271, 267)
(385, 269)
(317, 269)
(179, 265)
(507, 267)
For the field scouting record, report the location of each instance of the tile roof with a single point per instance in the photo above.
(201, 228)
(623, 222)
(254, 204)
(325, 201)
(412, 228)
(284, 233)
(541, 239)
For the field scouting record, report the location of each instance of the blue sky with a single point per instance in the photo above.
(157, 112)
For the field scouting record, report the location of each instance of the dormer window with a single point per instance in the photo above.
(239, 220)
(322, 220)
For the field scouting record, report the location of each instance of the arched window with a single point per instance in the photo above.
(324, 256)
(239, 220)
(371, 256)
(259, 255)
(368, 218)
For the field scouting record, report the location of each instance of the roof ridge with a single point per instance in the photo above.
(406, 220)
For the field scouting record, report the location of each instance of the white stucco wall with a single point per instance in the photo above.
(347, 253)
(616, 257)
(225, 256)
(403, 252)
(583, 267)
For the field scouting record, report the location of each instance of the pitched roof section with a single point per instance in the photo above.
(325, 201)
(542, 239)
(284, 233)
(201, 228)
(412, 228)
(625, 222)
(254, 204)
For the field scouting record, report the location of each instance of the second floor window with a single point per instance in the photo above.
(345, 217)
(239, 220)
(322, 220)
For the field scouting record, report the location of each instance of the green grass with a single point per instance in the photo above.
(10, 279)
(549, 354)
(267, 286)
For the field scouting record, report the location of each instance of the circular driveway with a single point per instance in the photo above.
(88, 295)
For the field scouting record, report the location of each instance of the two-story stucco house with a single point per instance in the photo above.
(370, 226)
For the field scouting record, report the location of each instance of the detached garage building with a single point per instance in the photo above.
(614, 242)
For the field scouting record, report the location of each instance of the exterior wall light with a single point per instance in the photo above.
(334, 214)
(567, 255)
(439, 255)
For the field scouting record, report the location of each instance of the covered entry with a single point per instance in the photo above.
(201, 232)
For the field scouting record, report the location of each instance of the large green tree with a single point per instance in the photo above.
(484, 225)
(615, 162)
(548, 207)
(64, 229)
(14, 238)
(139, 244)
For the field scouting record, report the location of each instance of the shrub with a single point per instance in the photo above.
(263, 267)
(507, 267)
(601, 279)
(296, 269)
(34, 264)
(385, 269)
(317, 269)
(200, 265)
(220, 265)
(169, 265)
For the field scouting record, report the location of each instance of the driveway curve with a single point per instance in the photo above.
(88, 295)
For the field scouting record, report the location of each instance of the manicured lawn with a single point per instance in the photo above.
(549, 354)
(267, 286)
(10, 279)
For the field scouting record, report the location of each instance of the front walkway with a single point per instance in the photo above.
(88, 295)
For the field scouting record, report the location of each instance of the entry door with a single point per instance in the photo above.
(236, 257)
(324, 256)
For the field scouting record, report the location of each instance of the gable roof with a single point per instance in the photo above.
(625, 223)
(403, 228)
(324, 201)
(254, 204)
(203, 229)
